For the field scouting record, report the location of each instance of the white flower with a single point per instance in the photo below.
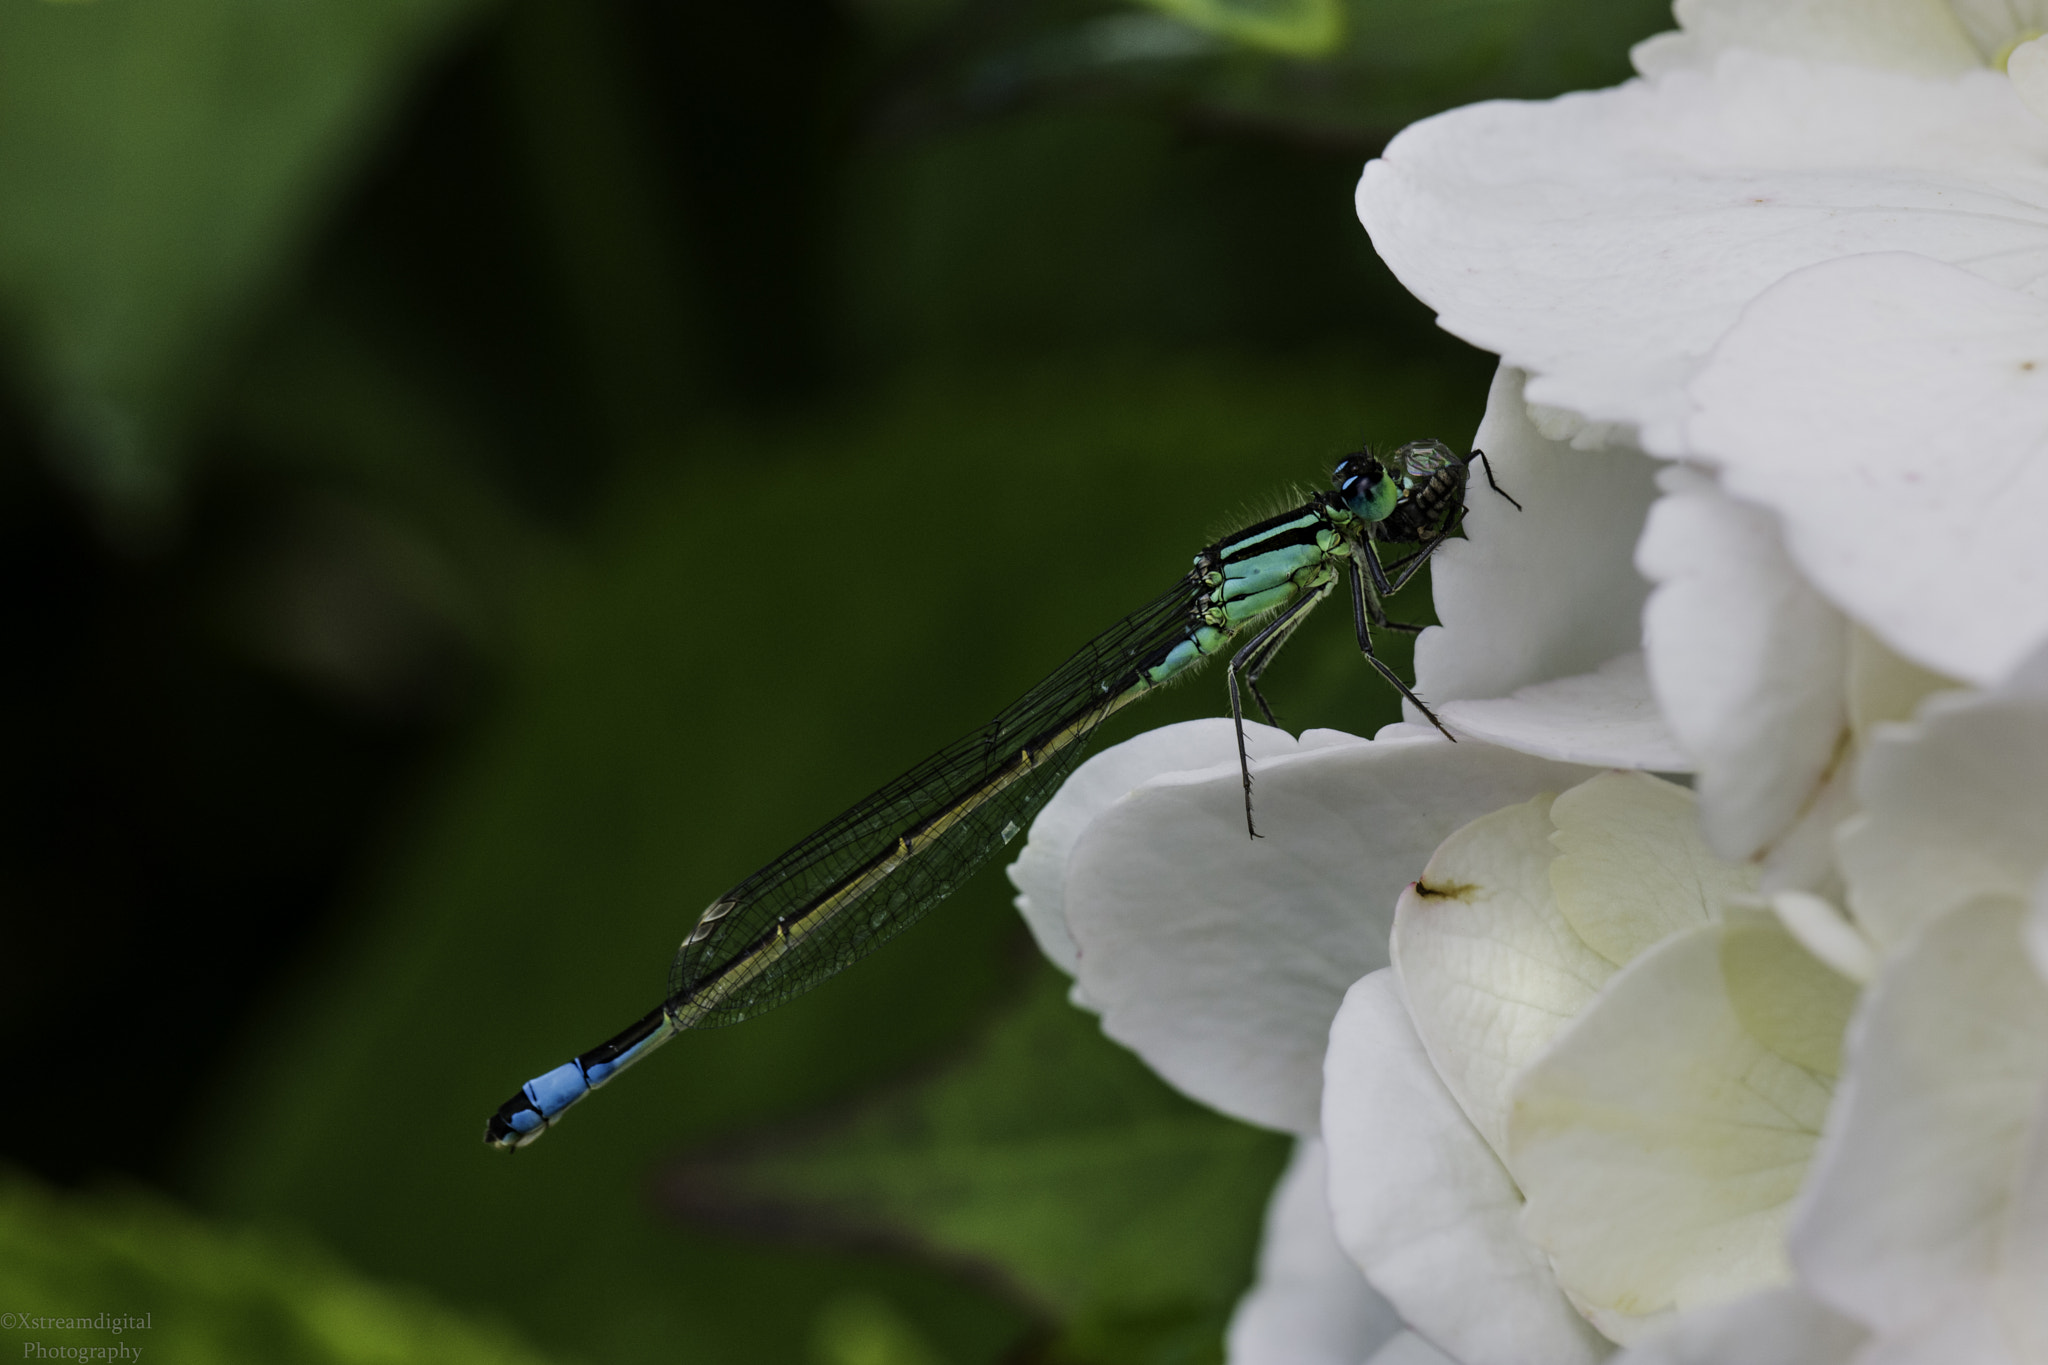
(1585, 1093)
(1641, 1072)
(1923, 1234)
(1597, 1088)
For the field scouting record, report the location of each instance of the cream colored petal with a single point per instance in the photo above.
(1422, 1203)
(1790, 1000)
(1920, 36)
(1912, 1192)
(1659, 1142)
(1632, 868)
(1489, 967)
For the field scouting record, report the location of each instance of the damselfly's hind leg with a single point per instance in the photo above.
(1252, 661)
(1362, 601)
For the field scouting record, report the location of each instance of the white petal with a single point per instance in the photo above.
(1489, 967)
(2023, 1257)
(1604, 719)
(2035, 930)
(1040, 871)
(1410, 1349)
(1550, 591)
(1604, 242)
(1911, 1191)
(1803, 857)
(1660, 1143)
(1220, 960)
(1883, 687)
(1422, 1204)
(1310, 1305)
(1826, 933)
(1955, 806)
(1746, 659)
(1774, 1327)
(1398, 731)
(1965, 1332)
(1882, 402)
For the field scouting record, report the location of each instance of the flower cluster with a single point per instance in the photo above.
(1580, 1059)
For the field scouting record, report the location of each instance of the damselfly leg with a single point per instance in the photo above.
(1364, 600)
(1487, 465)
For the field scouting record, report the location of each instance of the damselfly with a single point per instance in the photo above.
(867, 875)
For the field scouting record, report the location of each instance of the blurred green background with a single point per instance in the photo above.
(476, 479)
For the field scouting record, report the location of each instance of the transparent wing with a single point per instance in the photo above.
(874, 870)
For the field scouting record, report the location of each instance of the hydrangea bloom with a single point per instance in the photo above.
(1753, 1073)
(1923, 1232)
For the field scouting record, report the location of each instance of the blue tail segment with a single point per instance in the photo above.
(545, 1098)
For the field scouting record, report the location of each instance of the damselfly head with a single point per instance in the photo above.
(1416, 462)
(1363, 484)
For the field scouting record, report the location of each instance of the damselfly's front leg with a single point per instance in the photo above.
(1487, 465)
(1404, 568)
(1362, 600)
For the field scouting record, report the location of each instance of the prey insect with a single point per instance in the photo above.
(869, 873)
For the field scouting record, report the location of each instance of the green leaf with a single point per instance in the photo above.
(164, 159)
(1301, 28)
(1049, 1154)
(1341, 73)
(113, 1273)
